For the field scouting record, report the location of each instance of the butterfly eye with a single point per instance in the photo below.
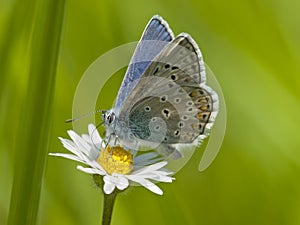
(110, 118)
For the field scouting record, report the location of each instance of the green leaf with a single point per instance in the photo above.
(35, 125)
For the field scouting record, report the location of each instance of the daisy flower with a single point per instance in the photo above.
(119, 168)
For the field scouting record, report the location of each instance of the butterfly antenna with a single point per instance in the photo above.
(83, 116)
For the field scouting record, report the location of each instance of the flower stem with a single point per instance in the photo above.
(108, 206)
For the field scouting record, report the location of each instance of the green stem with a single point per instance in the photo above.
(108, 206)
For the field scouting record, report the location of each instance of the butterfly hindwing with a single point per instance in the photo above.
(186, 112)
(173, 89)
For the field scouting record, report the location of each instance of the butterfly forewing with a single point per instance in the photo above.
(181, 55)
(156, 36)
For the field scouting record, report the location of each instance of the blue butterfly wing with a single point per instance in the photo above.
(156, 36)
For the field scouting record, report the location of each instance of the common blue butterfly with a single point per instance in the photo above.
(163, 102)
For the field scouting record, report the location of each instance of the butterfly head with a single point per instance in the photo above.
(108, 117)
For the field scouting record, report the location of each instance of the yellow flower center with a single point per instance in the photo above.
(116, 160)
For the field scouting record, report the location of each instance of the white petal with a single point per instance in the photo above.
(164, 179)
(68, 144)
(68, 156)
(91, 170)
(156, 177)
(94, 134)
(163, 172)
(80, 142)
(146, 163)
(151, 168)
(145, 157)
(87, 138)
(87, 160)
(94, 164)
(118, 180)
(108, 187)
(147, 184)
(94, 154)
(121, 182)
(78, 155)
(71, 146)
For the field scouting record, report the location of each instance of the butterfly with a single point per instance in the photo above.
(163, 102)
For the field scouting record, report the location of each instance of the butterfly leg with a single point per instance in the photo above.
(106, 143)
(108, 140)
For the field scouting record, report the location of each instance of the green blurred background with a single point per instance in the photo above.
(253, 48)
